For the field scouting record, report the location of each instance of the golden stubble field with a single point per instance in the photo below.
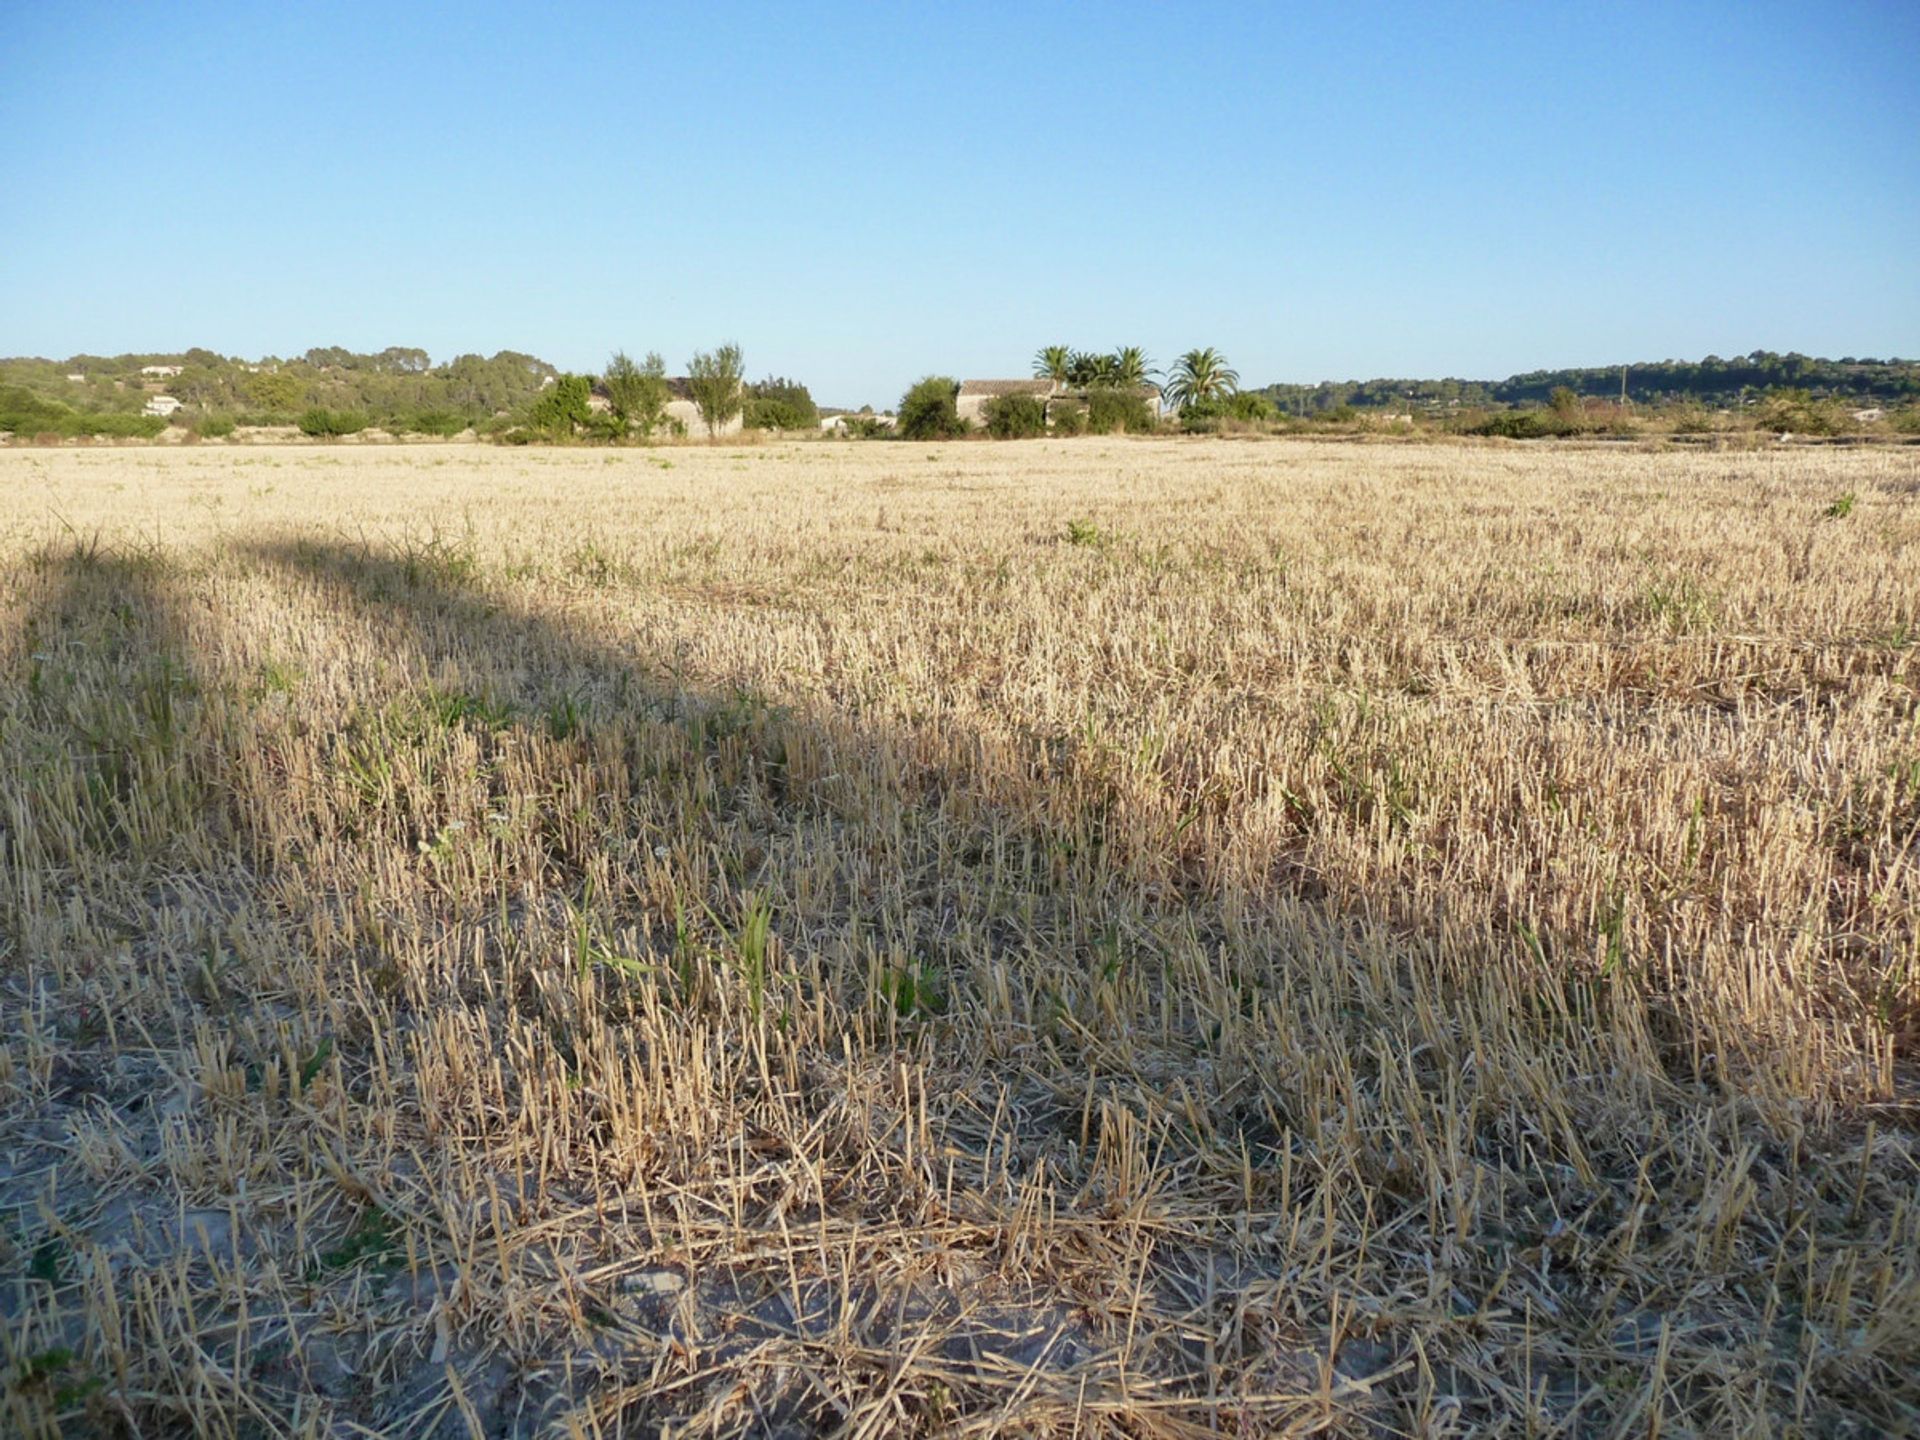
(1148, 938)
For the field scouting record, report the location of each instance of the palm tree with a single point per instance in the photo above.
(1131, 368)
(1200, 376)
(1055, 363)
(1089, 370)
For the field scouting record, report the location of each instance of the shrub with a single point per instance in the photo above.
(1797, 411)
(776, 403)
(1515, 425)
(766, 413)
(1112, 410)
(120, 426)
(25, 413)
(215, 427)
(1069, 420)
(604, 425)
(1251, 406)
(444, 423)
(566, 403)
(1202, 417)
(326, 424)
(927, 410)
(1690, 419)
(1016, 417)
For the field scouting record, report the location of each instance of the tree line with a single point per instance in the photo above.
(330, 390)
(1742, 380)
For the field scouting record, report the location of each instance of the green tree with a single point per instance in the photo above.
(275, 391)
(1089, 371)
(638, 393)
(1055, 363)
(928, 412)
(777, 403)
(566, 403)
(1131, 366)
(1200, 376)
(402, 360)
(1251, 405)
(713, 379)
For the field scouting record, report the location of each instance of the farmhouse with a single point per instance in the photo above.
(161, 372)
(161, 405)
(975, 395)
(839, 424)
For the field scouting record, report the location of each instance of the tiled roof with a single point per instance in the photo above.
(1006, 387)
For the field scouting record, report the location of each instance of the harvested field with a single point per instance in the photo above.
(1148, 938)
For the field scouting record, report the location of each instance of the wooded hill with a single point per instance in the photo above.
(1712, 381)
(399, 387)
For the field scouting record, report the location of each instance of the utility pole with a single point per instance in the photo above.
(1624, 402)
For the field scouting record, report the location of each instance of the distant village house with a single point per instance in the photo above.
(161, 372)
(162, 405)
(976, 395)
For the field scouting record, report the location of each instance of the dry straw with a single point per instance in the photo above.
(1119, 938)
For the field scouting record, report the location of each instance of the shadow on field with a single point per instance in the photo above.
(1175, 1139)
(196, 795)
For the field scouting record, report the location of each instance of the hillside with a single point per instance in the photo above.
(1712, 381)
(398, 387)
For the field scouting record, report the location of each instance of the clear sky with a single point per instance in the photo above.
(862, 194)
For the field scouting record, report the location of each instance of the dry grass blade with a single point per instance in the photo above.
(1161, 939)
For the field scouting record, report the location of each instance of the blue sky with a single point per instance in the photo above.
(860, 194)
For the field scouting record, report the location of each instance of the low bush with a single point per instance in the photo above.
(1202, 417)
(444, 423)
(25, 413)
(777, 403)
(1109, 411)
(118, 426)
(325, 424)
(1252, 407)
(214, 427)
(1799, 413)
(1517, 425)
(603, 425)
(927, 411)
(1016, 417)
(771, 413)
(1069, 420)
